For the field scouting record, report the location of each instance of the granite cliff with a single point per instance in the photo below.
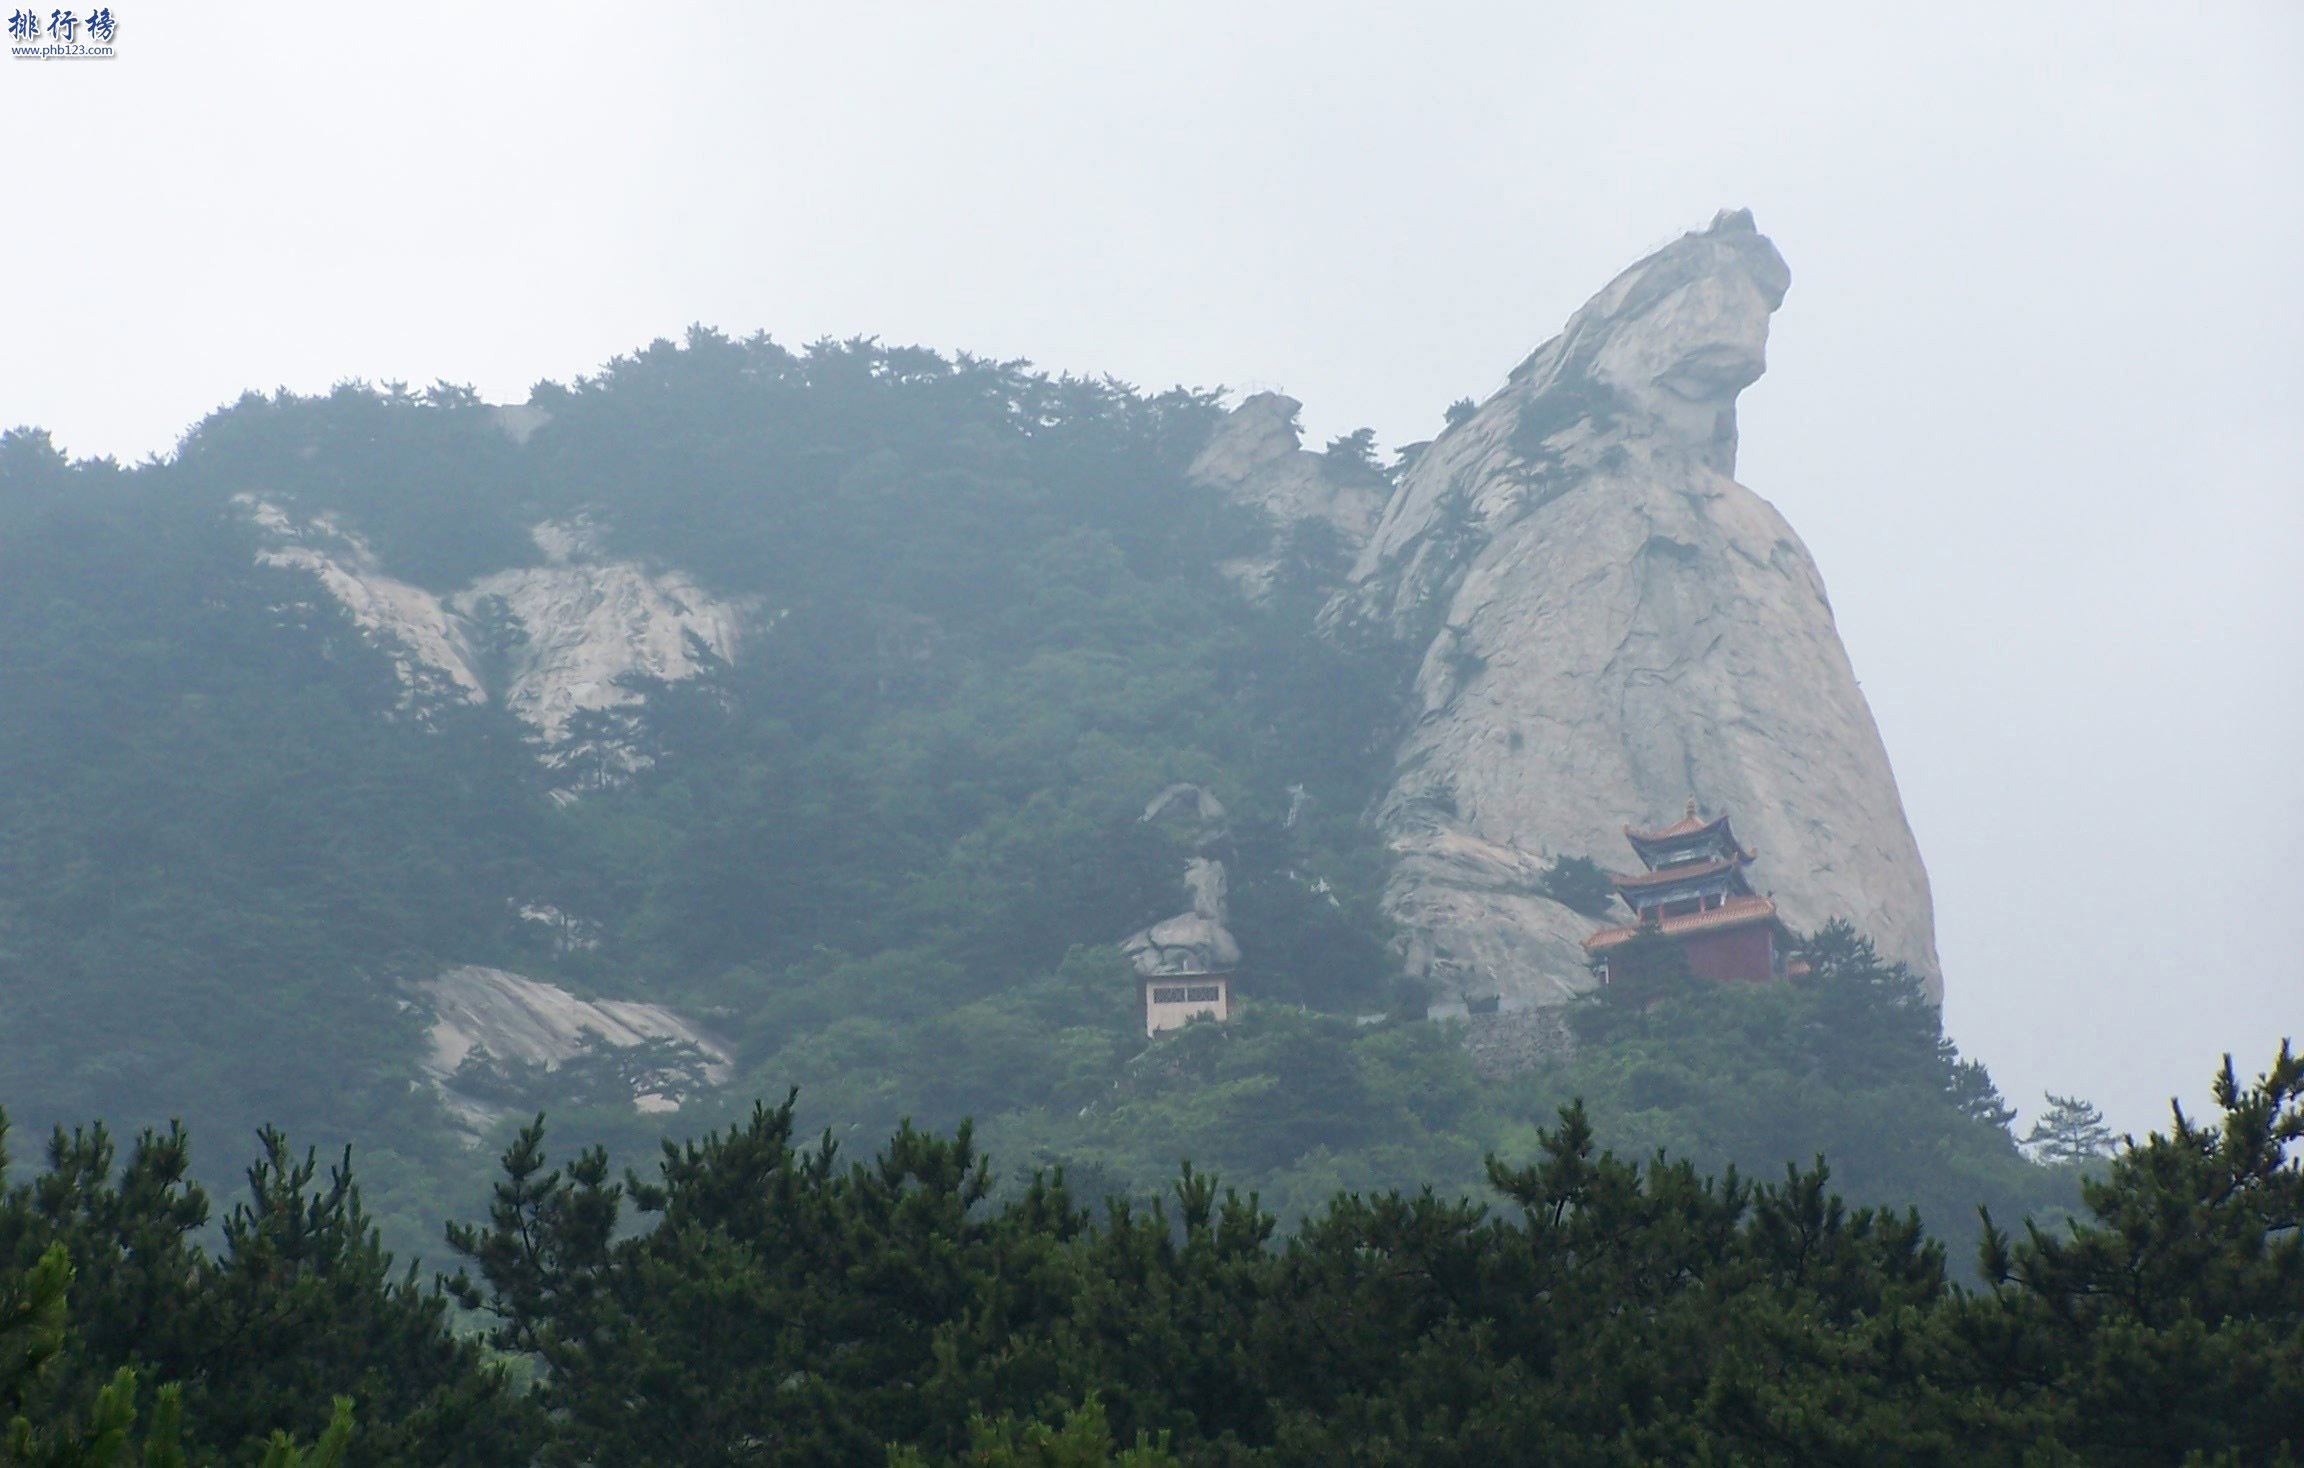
(1603, 625)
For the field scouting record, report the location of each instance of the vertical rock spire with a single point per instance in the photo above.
(1608, 622)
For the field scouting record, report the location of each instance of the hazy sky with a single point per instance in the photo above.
(2036, 400)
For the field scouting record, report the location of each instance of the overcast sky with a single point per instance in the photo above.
(2035, 402)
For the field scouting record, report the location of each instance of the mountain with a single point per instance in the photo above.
(1604, 624)
(390, 766)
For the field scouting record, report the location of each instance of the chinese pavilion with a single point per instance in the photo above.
(1694, 891)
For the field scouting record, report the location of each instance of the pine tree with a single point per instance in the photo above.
(2070, 1132)
(300, 1307)
(2170, 1324)
(1355, 452)
(1580, 884)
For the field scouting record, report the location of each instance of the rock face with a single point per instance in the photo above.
(580, 624)
(1608, 625)
(554, 643)
(1195, 941)
(427, 643)
(489, 1025)
(1192, 942)
(1257, 457)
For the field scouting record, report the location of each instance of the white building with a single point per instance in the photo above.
(1172, 1000)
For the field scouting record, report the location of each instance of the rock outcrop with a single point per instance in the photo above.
(576, 628)
(493, 1032)
(554, 643)
(1608, 625)
(427, 643)
(1257, 457)
(1197, 940)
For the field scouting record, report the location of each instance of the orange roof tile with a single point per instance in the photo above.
(1734, 913)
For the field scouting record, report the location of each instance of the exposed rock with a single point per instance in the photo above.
(1474, 921)
(567, 932)
(1195, 941)
(1188, 811)
(582, 626)
(553, 642)
(489, 1025)
(1298, 799)
(427, 643)
(1257, 457)
(1609, 625)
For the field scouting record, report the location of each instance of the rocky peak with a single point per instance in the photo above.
(1609, 624)
(1673, 340)
(1648, 370)
(1257, 457)
(1253, 439)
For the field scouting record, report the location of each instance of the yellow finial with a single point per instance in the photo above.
(1691, 807)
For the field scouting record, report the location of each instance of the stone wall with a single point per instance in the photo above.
(1510, 1042)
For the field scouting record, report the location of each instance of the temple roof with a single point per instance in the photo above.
(1736, 912)
(1690, 829)
(1686, 872)
(1687, 825)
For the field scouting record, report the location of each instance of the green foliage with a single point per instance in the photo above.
(760, 1299)
(297, 1308)
(2175, 1322)
(1082, 1440)
(36, 1343)
(1849, 1061)
(883, 853)
(1650, 993)
(880, 852)
(1560, 408)
(779, 1304)
(1461, 411)
(2070, 1132)
(1580, 884)
(217, 832)
(991, 627)
(1303, 1104)
(1355, 454)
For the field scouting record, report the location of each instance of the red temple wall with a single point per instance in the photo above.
(1746, 954)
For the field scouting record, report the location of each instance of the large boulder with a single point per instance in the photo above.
(496, 1035)
(1606, 624)
(1196, 940)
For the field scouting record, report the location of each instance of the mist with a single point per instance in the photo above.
(2032, 401)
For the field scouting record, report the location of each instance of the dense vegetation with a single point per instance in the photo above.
(884, 851)
(1847, 1061)
(762, 1299)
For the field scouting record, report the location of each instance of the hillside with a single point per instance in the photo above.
(391, 766)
